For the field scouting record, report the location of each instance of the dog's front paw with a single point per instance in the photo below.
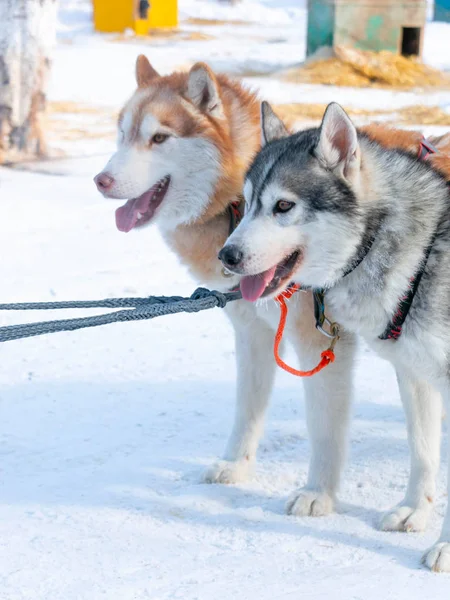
(438, 558)
(405, 518)
(226, 471)
(309, 503)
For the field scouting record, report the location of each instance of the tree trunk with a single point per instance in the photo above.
(27, 36)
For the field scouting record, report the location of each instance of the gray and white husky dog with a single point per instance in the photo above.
(370, 227)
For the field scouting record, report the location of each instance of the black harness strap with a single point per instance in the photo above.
(394, 329)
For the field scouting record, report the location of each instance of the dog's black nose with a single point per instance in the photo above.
(231, 256)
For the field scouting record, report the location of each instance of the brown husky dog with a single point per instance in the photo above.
(185, 143)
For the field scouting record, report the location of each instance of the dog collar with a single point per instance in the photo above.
(323, 324)
(360, 256)
(235, 212)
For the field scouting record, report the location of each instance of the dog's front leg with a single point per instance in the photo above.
(423, 408)
(328, 398)
(438, 557)
(255, 374)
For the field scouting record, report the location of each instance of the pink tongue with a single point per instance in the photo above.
(253, 286)
(127, 215)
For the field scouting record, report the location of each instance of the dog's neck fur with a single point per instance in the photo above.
(404, 223)
(198, 243)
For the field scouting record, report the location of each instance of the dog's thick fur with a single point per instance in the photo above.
(344, 198)
(214, 129)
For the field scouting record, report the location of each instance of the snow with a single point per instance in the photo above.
(105, 433)
(96, 69)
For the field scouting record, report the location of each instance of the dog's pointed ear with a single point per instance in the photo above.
(203, 90)
(144, 71)
(272, 127)
(338, 146)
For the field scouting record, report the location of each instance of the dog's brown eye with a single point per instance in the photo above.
(159, 138)
(283, 206)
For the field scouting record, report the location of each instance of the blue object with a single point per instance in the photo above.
(442, 10)
(321, 19)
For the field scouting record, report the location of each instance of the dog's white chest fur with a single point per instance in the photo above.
(268, 311)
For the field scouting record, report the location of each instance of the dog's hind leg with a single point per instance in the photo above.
(438, 557)
(255, 375)
(328, 398)
(423, 408)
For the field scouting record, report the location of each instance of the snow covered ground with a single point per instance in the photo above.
(104, 434)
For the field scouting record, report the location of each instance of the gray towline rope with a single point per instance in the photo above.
(138, 309)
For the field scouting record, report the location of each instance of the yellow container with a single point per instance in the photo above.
(112, 16)
(141, 26)
(163, 13)
(117, 15)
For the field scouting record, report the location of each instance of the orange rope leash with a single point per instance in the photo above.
(328, 356)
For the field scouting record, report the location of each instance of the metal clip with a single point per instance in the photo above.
(332, 331)
(335, 339)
